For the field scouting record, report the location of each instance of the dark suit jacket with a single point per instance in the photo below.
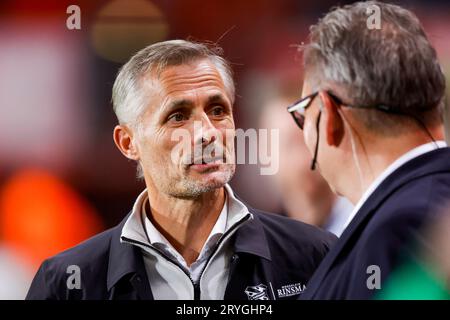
(384, 229)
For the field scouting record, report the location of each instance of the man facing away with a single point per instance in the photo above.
(371, 118)
(188, 236)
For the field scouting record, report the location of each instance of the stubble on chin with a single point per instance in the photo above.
(189, 188)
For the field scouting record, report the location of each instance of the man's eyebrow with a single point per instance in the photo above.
(184, 103)
(216, 98)
(179, 104)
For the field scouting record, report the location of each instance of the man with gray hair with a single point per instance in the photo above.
(188, 236)
(371, 118)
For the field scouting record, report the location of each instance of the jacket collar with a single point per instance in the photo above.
(125, 258)
(251, 238)
(433, 162)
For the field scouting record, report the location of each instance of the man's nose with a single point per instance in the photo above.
(208, 132)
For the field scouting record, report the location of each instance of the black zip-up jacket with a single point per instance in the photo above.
(274, 257)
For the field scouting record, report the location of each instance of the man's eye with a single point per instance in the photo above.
(218, 111)
(177, 117)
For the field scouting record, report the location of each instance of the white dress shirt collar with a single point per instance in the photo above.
(341, 210)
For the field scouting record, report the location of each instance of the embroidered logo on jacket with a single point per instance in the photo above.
(258, 292)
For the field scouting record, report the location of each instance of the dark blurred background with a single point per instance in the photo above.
(61, 177)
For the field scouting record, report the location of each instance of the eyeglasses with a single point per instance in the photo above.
(298, 108)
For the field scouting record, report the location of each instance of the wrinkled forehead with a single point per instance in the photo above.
(199, 79)
(192, 76)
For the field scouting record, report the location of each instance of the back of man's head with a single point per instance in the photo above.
(393, 65)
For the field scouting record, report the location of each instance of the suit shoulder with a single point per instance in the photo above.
(419, 200)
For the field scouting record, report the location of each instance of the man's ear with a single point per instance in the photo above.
(334, 124)
(123, 138)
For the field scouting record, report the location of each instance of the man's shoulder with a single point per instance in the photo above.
(300, 235)
(397, 222)
(413, 194)
(91, 252)
(418, 199)
(87, 262)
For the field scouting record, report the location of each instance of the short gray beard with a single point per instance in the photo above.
(190, 189)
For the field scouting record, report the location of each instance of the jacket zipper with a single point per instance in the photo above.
(224, 236)
(165, 256)
(195, 285)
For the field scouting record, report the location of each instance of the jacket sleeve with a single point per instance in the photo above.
(40, 289)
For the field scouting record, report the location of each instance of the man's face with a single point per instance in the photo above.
(310, 131)
(171, 152)
(311, 114)
(329, 158)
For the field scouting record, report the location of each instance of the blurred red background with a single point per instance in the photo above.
(61, 177)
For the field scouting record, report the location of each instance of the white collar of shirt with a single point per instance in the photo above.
(159, 241)
(341, 210)
(408, 156)
(138, 227)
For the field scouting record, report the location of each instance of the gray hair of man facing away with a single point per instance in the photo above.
(395, 65)
(129, 97)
